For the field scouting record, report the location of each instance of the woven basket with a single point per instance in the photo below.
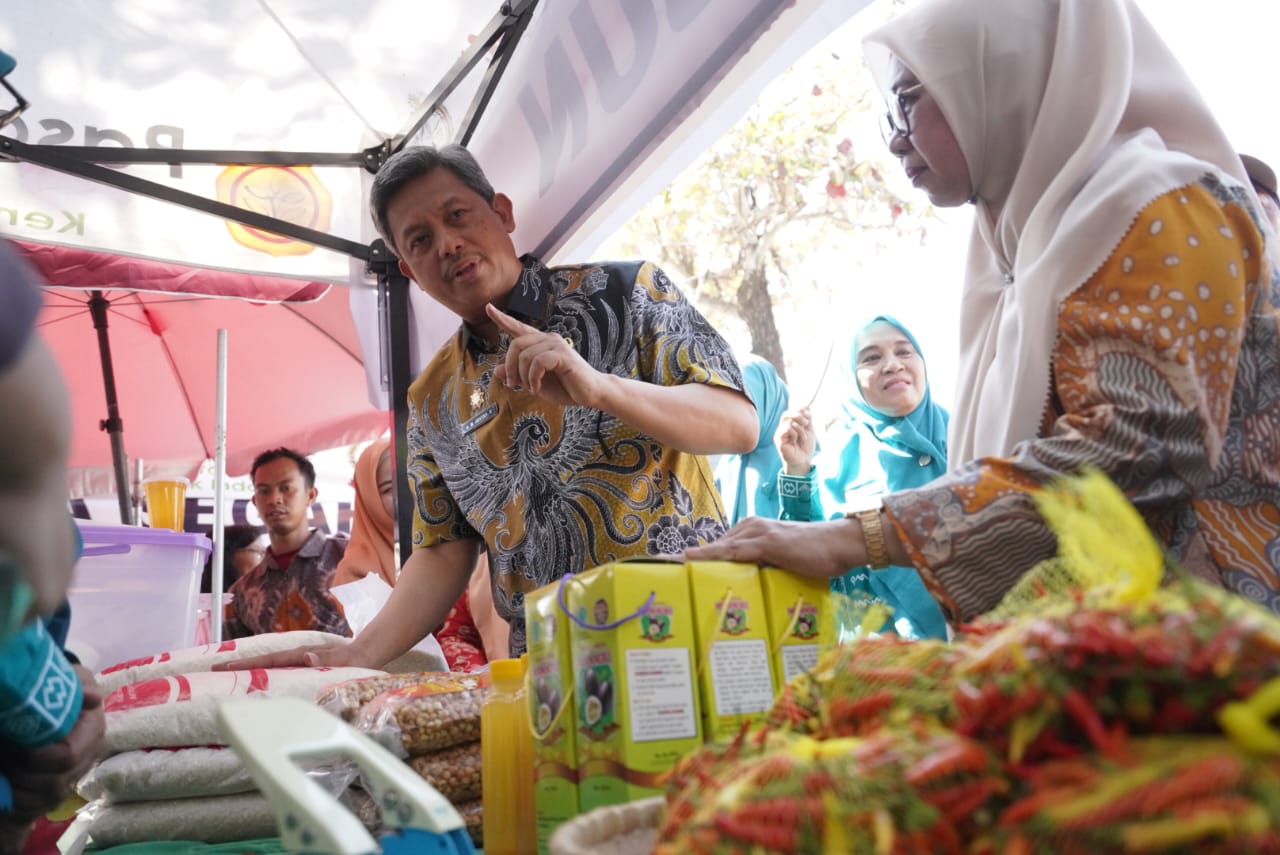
(629, 829)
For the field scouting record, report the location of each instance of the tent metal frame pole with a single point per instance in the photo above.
(504, 30)
(211, 156)
(393, 312)
(49, 156)
(519, 15)
(112, 424)
(219, 494)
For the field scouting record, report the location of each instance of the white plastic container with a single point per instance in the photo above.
(134, 593)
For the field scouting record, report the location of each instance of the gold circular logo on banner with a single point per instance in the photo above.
(291, 193)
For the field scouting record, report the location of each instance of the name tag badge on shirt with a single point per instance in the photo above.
(481, 418)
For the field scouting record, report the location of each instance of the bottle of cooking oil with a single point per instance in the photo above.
(506, 764)
(528, 812)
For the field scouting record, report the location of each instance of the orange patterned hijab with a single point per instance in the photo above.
(372, 546)
(372, 549)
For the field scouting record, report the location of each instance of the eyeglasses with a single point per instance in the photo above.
(897, 119)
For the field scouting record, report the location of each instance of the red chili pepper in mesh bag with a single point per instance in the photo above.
(956, 756)
(1083, 713)
(771, 823)
(959, 801)
(851, 716)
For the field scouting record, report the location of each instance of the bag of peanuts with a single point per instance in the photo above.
(438, 712)
(347, 699)
(454, 772)
(472, 814)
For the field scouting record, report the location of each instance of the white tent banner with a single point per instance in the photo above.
(600, 94)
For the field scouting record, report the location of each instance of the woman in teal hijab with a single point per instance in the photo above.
(749, 482)
(891, 437)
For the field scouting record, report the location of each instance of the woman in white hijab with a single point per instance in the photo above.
(1119, 303)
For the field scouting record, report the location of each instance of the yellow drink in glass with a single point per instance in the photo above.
(166, 502)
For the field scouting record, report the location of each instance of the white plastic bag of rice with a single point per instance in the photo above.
(221, 819)
(204, 657)
(149, 774)
(181, 710)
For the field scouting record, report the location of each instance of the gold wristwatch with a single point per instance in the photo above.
(873, 537)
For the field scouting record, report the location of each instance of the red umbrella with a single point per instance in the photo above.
(294, 372)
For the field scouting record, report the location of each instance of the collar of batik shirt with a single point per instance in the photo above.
(532, 299)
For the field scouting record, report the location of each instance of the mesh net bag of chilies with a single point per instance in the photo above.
(1091, 675)
(1090, 647)
(857, 688)
(1164, 794)
(899, 791)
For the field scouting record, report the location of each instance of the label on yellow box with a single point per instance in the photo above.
(735, 674)
(632, 637)
(551, 713)
(801, 621)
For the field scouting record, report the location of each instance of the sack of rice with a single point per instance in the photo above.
(209, 820)
(181, 711)
(205, 656)
(150, 774)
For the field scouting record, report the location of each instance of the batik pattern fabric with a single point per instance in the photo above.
(271, 599)
(1166, 376)
(554, 489)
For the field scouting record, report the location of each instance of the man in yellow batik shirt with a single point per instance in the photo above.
(564, 426)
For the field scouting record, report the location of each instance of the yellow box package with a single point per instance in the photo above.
(633, 642)
(735, 671)
(801, 621)
(551, 713)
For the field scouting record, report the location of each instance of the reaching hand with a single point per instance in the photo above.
(329, 655)
(818, 549)
(796, 440)
(545, 363)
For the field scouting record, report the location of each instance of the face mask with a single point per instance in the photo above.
(16, 598)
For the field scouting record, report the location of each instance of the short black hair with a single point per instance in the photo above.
(410, 164)
(304, 465)
(237, 537)
(234, 538)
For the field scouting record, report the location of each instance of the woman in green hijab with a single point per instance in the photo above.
(892, 437)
